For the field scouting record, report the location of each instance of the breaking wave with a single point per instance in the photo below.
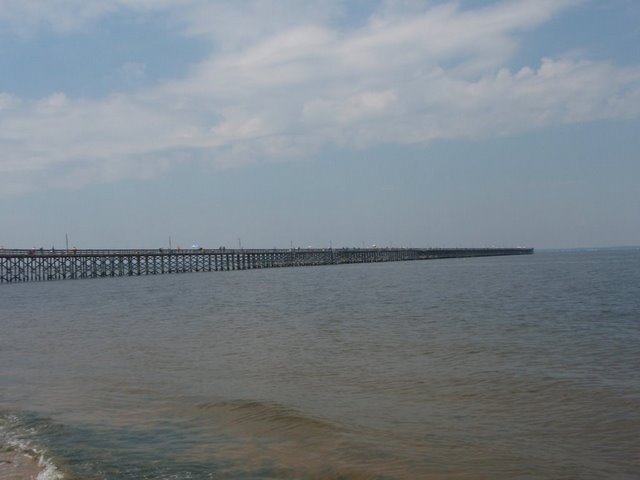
(21, 455)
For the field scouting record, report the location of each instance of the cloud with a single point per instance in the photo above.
(7, 101)
(354, 107)
(132, 72)
(290, 82)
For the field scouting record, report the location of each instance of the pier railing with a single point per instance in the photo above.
(22, 265)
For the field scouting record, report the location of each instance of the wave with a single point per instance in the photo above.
(21, 456)
(289, 443)
(218, 439)
(272, 415)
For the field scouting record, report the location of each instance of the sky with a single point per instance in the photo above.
(264, 123)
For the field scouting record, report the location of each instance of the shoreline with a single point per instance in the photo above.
(20, 465)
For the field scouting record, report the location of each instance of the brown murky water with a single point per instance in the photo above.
(518, 367)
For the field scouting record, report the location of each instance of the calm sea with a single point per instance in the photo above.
(521, 367)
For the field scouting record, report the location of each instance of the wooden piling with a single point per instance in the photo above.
(41, 265)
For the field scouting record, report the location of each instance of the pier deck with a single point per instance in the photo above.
(40, 265)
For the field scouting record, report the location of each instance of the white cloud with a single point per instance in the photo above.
(132, 72)
(7, 101)
(53, 103)
(352, 108)
(288, 83)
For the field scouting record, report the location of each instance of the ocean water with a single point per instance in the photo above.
(522, 367)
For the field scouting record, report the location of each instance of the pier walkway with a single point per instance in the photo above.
(39, 264)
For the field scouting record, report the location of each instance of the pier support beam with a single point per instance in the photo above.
(39, 265)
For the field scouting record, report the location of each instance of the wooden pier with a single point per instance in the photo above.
(40, 265)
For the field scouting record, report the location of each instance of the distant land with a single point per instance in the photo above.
(588, 249)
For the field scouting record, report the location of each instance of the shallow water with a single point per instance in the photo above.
(509, 367)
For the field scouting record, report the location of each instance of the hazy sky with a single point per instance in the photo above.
(399, 122)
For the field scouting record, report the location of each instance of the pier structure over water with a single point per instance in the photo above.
(39, 264)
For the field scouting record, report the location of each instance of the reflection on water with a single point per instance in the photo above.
(516, 367)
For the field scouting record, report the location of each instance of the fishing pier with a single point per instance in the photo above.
(39, 265)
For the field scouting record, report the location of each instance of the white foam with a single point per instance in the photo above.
(49, 470)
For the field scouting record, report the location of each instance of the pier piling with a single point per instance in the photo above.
(39, 265)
